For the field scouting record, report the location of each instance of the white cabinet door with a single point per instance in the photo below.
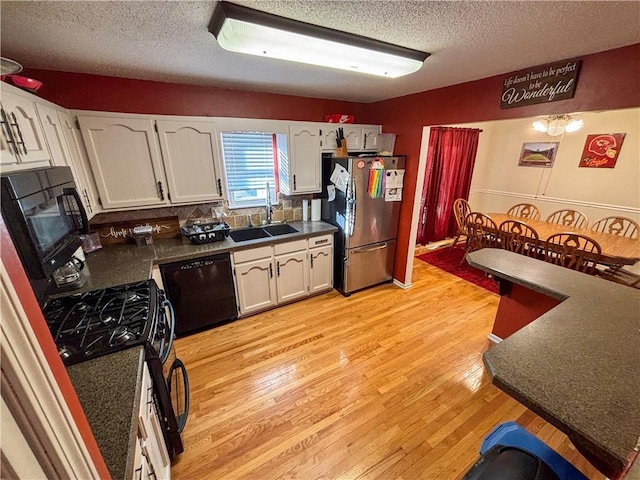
(291, 274)
(78, 157)
(353, 134)
(53, 133)
(22, 127)
(320, 269)
(188, 151)
(370, 137)
(125, 160)
(256, 285)
(304, 159)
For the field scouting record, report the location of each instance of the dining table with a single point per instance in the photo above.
(616, 249)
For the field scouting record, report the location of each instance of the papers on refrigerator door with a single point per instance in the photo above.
(340, 178)
(395, 178)
(393, 195)
(331, 193)
(393, 185)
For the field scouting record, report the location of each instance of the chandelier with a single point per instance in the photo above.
(556, 125)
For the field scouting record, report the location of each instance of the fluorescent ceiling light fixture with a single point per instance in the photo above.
(556, 125)
(245, 30)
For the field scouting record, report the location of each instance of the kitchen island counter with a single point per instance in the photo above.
(108, 388)
(576, 365)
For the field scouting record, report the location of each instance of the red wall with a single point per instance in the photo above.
(113, 94)
(608, 80)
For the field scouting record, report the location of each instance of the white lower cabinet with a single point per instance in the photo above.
(291, 270)
(282, 273)
(255, 280)
(151, 459)
(320, 268)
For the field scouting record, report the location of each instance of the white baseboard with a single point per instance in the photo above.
(494, 338)
(402, 285)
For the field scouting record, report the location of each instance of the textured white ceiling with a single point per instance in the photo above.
(169, 41)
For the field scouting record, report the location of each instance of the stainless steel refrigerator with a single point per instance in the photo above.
(365, 244)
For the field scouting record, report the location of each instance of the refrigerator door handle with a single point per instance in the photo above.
(351, 205)
(371, 249)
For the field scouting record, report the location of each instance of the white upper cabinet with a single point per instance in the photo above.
(189, 155)
(23, 144)
(125, 160)
(370, 136)
(305, 160)
(53, 133)
(79, 162)
(358, 137)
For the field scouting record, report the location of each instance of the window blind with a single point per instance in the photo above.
(249, 165)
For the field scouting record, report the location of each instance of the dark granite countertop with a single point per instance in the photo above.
(120, 264)
(576, 365)
(176, 249)
(109, 391)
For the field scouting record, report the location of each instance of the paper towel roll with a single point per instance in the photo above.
(305, 210)
(315, 209)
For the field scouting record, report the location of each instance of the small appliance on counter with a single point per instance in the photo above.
(143, 235)
(200, 233)
(69, 276)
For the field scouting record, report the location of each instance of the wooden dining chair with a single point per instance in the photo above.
(461, 209)
(525, 210)
(518, 237)
(569, 218)
(482, 232)
(574, 251)
(622, 226)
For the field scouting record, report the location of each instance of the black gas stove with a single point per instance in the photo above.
(95, 323)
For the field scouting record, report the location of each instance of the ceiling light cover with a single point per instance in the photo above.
(244, 30)
(557, 125)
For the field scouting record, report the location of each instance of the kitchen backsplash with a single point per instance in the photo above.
(289, 209)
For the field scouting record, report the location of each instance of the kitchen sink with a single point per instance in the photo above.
(279, 229)
(253, 233)
(250, 233)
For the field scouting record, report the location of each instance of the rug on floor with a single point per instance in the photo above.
(448, 259)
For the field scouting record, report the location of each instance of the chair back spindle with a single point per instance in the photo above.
(569, 218)
(525, 210)
(518, 237)
(574, 251)
(622, 226)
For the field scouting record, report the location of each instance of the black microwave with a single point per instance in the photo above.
(44, 216)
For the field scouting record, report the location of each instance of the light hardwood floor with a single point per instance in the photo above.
(386, 384)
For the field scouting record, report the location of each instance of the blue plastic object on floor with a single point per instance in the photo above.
(513, 435)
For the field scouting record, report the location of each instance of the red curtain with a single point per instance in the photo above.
(450, 159)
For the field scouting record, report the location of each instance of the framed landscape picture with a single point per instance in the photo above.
(538, 154)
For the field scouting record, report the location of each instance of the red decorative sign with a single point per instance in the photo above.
(601, 151)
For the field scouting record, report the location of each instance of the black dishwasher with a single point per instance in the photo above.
(201, 292)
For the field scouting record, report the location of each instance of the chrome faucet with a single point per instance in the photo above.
(268, 205)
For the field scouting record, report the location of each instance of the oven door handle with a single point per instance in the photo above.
(181, 418)
(164, 353)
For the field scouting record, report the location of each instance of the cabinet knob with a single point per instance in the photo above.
(160, 191)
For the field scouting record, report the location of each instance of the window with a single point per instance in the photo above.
(250, 161)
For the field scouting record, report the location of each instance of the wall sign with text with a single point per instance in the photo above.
(601, 151)
(543, 84)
